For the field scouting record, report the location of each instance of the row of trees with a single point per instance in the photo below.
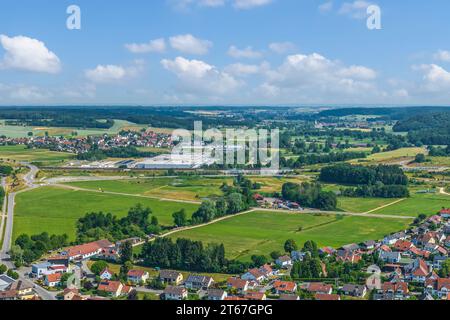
(184, 255)
(354, 174)
(378, 190)
(121, 152)
(310, 195)
(28, 249)
(5, 170)
(139, 222)
(310, 159)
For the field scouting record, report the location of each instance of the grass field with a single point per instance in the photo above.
(22, 131)
(361, 205)
(275, 184)
(56, 210)
(264, 232)
(428, 204)
(22, 153)
(182, 188)
(393, 155)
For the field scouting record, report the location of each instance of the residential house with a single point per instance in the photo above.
(327, 297)
(86, 251)
(41, 269)
(106, 274)
(171, 277)
(392, 239)
(289, 297)
(354, 290)
(254, 275)
(137, 276)
(217, 294)
(318, 287)
(284, 261)
(438, 287)
(23, 289)
(113, 288)
(327, 251)
(5, 282)
(393, 291)
(418, 271)
(373, 282)
(284, 287)
(390, 257)
(197, 282)
(255, 296)
(175, 293)
(403, 246)
(368, 245)
(53, 280)
(240, 285)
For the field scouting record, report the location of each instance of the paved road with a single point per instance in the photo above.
(3, 209)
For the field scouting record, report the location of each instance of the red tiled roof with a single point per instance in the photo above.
(422, 269)
(285, 286)
(136, 273)
(327, 297)
(319, 287)
(395, 286)
(109, 286)
(56, 277)
(255, 296)
(403, 245)
(237, 283)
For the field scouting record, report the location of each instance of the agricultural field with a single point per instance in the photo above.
(391, 156)
(22, 131)
(275, 184)
(56, 210)
(181, 188)
(22, 153)
(428, 204)
(362, 205)
(264, 232)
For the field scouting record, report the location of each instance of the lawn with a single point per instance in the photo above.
(361, 205)
(22, 153)
(56, 210)
(264, 232)
(182, 188)
(428, 204)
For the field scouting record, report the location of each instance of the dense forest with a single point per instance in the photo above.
(310, 195)
(353, 174)
(429, 129)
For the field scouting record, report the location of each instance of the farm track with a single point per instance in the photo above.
(442, 191)
(385, 206)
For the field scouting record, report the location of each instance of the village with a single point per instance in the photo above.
(410, 265)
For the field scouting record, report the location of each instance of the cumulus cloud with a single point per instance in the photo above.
(189, 44)
(434, 77)
(282, 47)
(247, 53)
(312, 76)
(113, 73)
(157, 45)
(28, 54)
(356, 9)
(243, 70)
(442, 55)
(199, 77)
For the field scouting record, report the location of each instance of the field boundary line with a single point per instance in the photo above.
(385, 206)
(63, 186)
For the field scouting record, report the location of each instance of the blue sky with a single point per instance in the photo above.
(224, 52)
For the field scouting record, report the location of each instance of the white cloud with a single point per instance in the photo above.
(242, 70)
(184, 5)
(28, 54)
(356, 9)
(282, 47)
(113, 73)
(29, 93)
(157, 45)
(435, 78)
(189, 44)
(249, 4)
(247, 53)
(312, 77)
(442, 55)
(326, 7)
(198, 77)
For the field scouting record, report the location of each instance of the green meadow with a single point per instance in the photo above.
(428, 204)
(22, 153)
(182, 188)
(264, 232)
(56, 210)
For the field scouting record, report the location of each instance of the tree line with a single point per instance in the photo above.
(310, 195)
